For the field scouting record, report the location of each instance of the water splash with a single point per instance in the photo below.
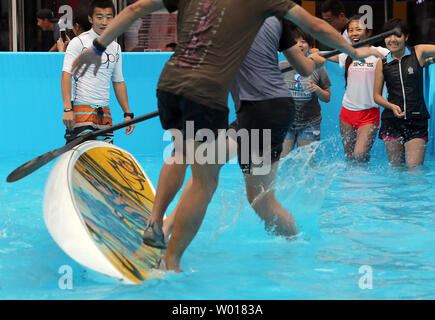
(233, 203)
(302, 182)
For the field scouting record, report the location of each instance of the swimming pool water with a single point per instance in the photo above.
(353, 221)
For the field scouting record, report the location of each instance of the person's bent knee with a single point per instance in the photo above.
(263, 198)
(397, 162)
(208, 185)
(413, 163)
(251, 196)
(361, 156)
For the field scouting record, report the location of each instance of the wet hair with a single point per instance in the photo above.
(349, 60)
(396, 23)
(81, 18)
(335, 6)
(103, 4)
(299, 33)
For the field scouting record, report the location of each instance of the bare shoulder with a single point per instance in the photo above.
(379, 65)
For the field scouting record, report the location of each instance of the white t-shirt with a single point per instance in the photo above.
(360, 82)
(91, 89)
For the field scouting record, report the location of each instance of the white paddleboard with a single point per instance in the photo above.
(97, 200)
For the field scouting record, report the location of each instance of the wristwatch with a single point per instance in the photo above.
(127, 114)
(67, 110)
(98, 47)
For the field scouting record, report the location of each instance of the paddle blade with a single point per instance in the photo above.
(34, 164)
(29, 167)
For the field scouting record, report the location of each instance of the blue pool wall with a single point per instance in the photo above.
(31, 103)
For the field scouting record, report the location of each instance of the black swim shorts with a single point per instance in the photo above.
(277, 115)
(175, 111)
(406, 129)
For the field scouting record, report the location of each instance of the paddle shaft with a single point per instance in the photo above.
(124, 124)
(36, 163)
(363, 43)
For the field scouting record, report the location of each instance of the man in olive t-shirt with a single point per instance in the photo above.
(214, 37)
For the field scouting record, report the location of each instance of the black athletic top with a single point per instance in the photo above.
(404, 81)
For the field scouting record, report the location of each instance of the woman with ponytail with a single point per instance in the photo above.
(360, 115)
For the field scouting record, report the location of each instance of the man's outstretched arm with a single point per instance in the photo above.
(302, 64)
(326, 34)
(119, 24)
(126, 17)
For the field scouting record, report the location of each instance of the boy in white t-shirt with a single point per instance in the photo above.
(87, 108)
(360, 115)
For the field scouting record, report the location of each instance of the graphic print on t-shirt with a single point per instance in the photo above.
(297, 86)
(207, 21)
